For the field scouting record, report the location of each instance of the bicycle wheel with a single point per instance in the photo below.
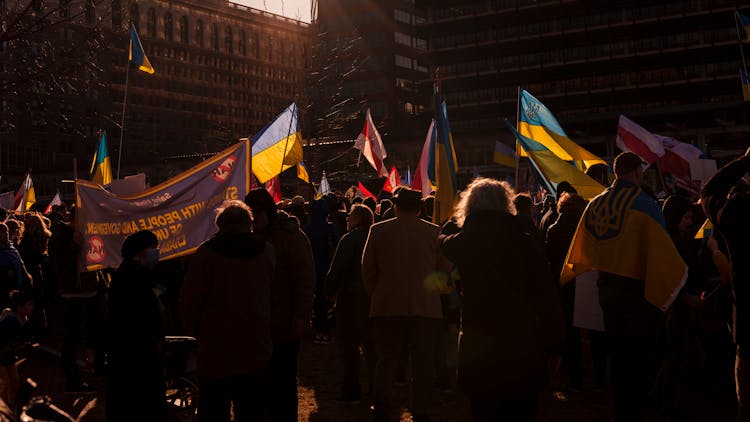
(182, 399)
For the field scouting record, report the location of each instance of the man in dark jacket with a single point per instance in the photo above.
(726, 200)
(550, 216)
(135, 335)
(291, 299)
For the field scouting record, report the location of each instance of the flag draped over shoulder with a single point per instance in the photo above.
(622, 232)
(302, 173)
(445, 164)
(537, 122)
(504, 155)
(278, 146)
(554, 170)
(371, 146)
(25, 196)
(136, 55)
(421, 181)
(101, 168)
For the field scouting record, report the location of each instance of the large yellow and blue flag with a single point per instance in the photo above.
(101, 168)
(536, 121)
(136, 55)
(278, 146)
(442, 164)
(744, 27)
(554, 170)
(622, 232)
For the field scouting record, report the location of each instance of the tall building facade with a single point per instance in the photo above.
(223, 70)
(671, 66)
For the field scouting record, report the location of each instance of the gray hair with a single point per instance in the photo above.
(484, 194)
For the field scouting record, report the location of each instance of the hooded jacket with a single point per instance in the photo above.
(225, 304)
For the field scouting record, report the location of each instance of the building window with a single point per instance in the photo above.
(134, 16)
(402, 61)
(228, 40)
(215, 36)
(151, 22)
(199, 33)
(116, 14)
(241, 43)
(402, 16)
(184, 30)
(402, 39)
(168, 26)
(90, 12)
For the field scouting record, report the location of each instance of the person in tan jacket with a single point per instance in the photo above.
(399, 265)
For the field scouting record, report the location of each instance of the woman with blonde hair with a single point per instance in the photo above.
(511, 320)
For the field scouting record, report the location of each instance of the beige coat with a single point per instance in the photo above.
(400, 255)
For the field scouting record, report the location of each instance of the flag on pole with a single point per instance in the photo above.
(393, 181)
(55, 201)
(407, 182)
(744, 26)
(745, 81)
(101, 168)
(445, 164)
(504, 155)
(273, 186)
(421, 180)
(302, 173)
(136, 55)
(371, 146)
(537, 122)
(633, 138)
(25, 196)
(278, 146)
(363, 190)
(325, 187)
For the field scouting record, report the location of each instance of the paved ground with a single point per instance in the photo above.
(319, 377)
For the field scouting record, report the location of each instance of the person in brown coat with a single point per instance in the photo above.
(399, 262)
(225, 304)
(291, 299)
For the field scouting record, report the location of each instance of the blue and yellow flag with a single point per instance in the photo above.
(744, 22)
(278, 146)
(136, 55)
(504, 155)
(554, 170)
(443, 165)
(706, 230)
(101, 168)
(622, 232)
(302, 173)
(745, 81)
(538, 123)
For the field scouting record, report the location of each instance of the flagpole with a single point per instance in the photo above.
(124, 103)
(518, 119)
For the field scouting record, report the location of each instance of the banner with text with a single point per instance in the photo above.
(179, 211)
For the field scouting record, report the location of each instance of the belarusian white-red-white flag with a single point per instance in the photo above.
(273, 186)
(633, 138)
(55, 201)
(371, 146)
(393, 181)
(421, 181)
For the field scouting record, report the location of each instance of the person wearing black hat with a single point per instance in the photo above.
(135, 335)
(291, 299)
(400, 256)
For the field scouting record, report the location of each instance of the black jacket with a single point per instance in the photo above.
(726, 200)
(511, 317)
(345, 273)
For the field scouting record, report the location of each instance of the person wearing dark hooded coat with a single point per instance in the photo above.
(511, 322)
(135, 352)
(225, 305)
(320, 232)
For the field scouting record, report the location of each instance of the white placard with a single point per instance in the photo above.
(588, 313)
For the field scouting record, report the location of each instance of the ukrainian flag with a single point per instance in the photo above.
(745, 25)
(101, 168)
(302, 173)
(136, 55)
(278, 146)
(538, 123)
(745, 80)
(443, 164)
(504, 155)
(622, 232)
(554, 170)
(706, 230)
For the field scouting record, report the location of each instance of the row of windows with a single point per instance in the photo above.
(410, 41)
(409, 63)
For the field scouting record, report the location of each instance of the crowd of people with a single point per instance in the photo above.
(393, 291)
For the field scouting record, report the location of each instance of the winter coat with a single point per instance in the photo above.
(65, 256)
(511, 315)
(345, 274)
(559, 236)
(726, 200)
(225, 304)
(135, 339)
(399, 256)
(294, 280)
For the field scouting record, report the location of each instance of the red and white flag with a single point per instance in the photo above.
(363, 190)
(393, 181)
(273, 186)
(55, 201)
(421, 181)
(371, 146)
(633, 138)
